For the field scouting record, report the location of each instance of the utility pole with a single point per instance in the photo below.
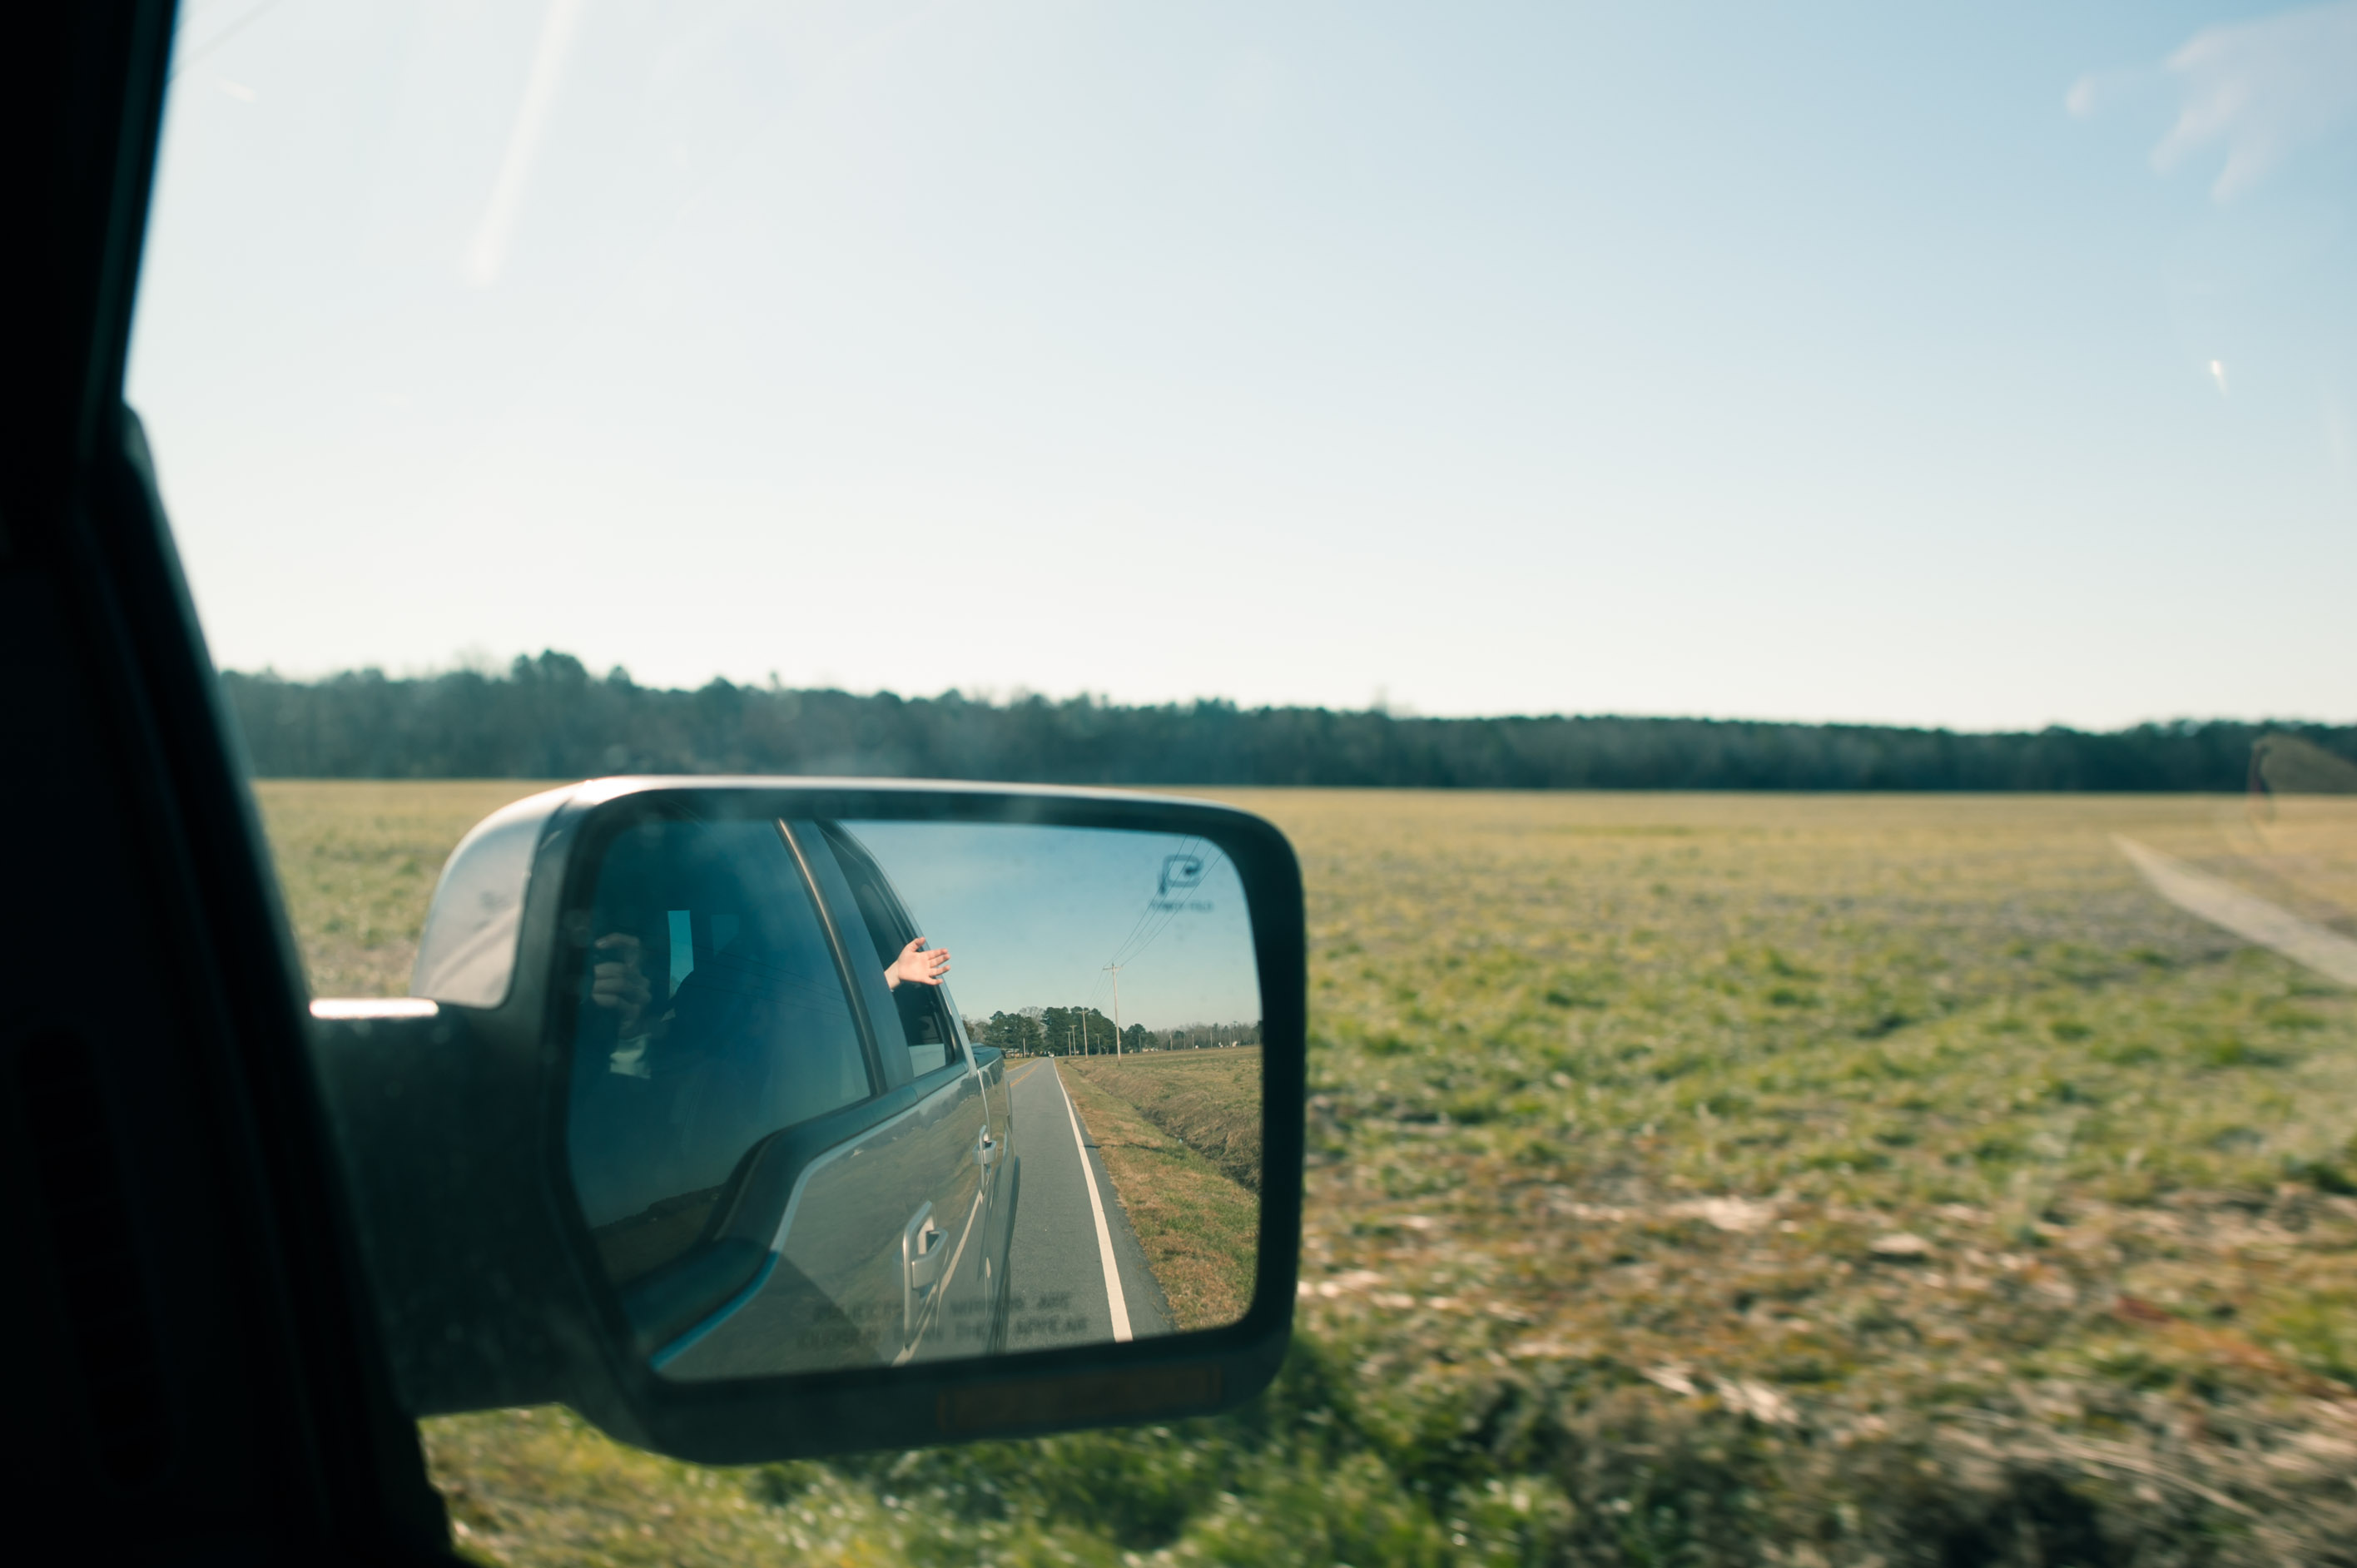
(1114, 970)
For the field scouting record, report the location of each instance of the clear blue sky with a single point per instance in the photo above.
(1031, 915)
(1995, 367)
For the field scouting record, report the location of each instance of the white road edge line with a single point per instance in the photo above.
(1118, 1303)
(2247, 915)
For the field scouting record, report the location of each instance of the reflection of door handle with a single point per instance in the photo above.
(921, 1245)
(924, 1244)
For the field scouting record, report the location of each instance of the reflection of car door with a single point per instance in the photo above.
(990, 1067)
(1003, 1181)
(867, 1218)
(995, 1153)
(944, 1161)
(750, 1058)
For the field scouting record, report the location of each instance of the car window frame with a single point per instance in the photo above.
(848, 929)
(845, 845)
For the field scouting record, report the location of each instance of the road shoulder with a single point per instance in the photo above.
(1194, 1233)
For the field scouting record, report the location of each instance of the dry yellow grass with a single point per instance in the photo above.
(2300, 852)
(1209, 1100)
(1199, 1228)
(357, 861)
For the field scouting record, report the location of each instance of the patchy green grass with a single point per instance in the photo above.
(1696, 1179)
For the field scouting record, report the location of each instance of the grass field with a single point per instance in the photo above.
(1179, 1132)
(1696, 1179)
(356, 862)
(1208, 1099)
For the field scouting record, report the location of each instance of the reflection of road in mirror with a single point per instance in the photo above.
(796, 1150)
(1103, 963)
(1181, 1133)
(1077, 1273)
(1170, 1143)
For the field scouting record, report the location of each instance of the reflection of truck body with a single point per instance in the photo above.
(786, 1164)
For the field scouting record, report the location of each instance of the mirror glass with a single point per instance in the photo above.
(855, 1094)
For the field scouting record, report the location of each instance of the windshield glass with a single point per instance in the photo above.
(1788, 571)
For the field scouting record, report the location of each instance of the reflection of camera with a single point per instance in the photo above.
(1180, 871)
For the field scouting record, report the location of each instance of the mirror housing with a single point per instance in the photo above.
(450, 1112)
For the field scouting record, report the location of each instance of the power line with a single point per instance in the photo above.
(1160, 908)
(1152, 919)
(1169, 908)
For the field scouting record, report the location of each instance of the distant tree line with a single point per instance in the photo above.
(1082, 1031)
(1047, 1031)
(548, 717)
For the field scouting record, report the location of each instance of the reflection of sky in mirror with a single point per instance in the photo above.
(1032, 914)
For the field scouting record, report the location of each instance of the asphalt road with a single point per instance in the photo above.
(1075, 1280)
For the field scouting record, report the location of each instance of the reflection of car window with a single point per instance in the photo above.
(744, 1030)
(923, 1009)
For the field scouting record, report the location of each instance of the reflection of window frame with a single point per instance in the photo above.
(880, 1079)
(857, 864)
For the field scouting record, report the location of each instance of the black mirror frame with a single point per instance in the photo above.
(479, 1313)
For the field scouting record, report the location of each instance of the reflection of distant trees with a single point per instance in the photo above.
(1075, 1031)
(549, 718)
(1206, 1037)
(1017, 1032)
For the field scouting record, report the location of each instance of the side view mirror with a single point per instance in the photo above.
(758, 1120)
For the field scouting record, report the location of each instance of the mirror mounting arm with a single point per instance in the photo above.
(479, 1301)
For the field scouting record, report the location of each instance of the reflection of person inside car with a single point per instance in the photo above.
(618, 983)
(717, 1016)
